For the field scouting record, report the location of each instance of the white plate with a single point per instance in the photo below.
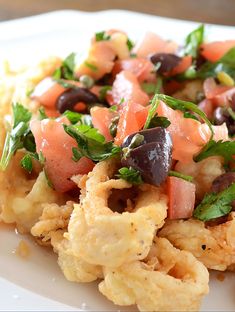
(37, 283)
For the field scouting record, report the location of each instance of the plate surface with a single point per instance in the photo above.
(37, 283)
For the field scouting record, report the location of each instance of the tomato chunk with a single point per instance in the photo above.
(152, 43)
(101, 119)
(181, 195)
(132, 119)
(127, 87)
(213, 51)
(142, 68)
(56, 146)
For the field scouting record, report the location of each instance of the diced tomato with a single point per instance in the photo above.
(181, 195)
(127, 87)
(56, 146)
(132, 119)
(184, 64)
(225, 98)
(213, 51)
(212, 89)
(101, 119)
(142, 68)
(152, 43)
(207, 107)
(47, 92)
(100, 60)
(188, 135)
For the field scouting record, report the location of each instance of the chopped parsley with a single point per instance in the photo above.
(225, 149)
(103, 92)
(91, 143)
(19, 136)
(102, 36)
(26, 163)
(180, 175)
(130, 44)
(130, 174)
(193, 41)
(215, 205)
(91, 66)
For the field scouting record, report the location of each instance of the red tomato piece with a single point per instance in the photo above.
(152, 43)
(127, 87)
(184, 64)
(142, 68)
(188, 135)
(181, 195)
(212, 89)
(56, 146)
(101, 119)
(213, 51)
(47, 92)
(132, 118)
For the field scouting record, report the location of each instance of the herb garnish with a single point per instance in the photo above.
(215, 205)
(102, 36)
(103, 92)
(91, 143)
(91, 66)
(180, 175)
(67, 68)
(20, 135)
(225, 149)
(130, 174)
(130, 44)
(184, 106)
(193, 41)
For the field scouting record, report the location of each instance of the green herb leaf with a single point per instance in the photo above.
(42, 114)
(26, 163)
(130, 175)
(215, 205)
(91, 66)
(180, 175)
(77, 155)
(113, 108)
(226, 64)
(152, 111)
(73, 117)
(101, 36)
(20, 135)
(193, 41)
(130, 44)
(103, 91)
(225, 149)
(190, 115)
(57, 73)
(150, 88)
(91, 143)
(159, 121)
(184, 106)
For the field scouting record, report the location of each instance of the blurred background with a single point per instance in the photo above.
(210, 11)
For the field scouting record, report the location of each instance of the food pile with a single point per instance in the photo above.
(123, 161)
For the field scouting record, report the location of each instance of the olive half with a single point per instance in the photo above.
(152, 158)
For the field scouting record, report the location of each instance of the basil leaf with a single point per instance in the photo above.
(91, 143)
(193, 41)
(101, 36)
(180, 175)
(130, 174)
(215, 205)
(225, 149)
(19, 136)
